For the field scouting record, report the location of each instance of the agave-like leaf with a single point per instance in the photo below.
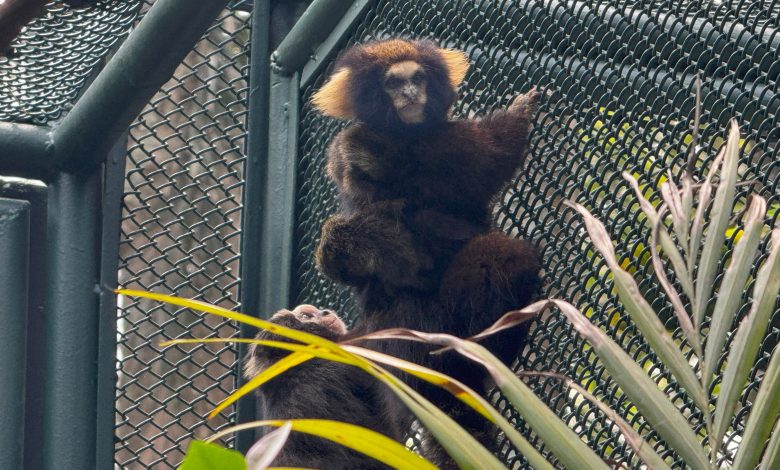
(771, 460)
(363, 440)
(671, 196)
(654, 405)
(666, 243)
(265, 450)
(640, 446)
(719, 220)
(705, 194)
(642, 313)
(534, 458)
(748, 338)
(732, 286)
(562, 441)
(763, 415)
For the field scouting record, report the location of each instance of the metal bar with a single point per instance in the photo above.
(279, 197)
(254, 177)
(113, 192)
(26, 151)
(300, 44)
(14, 251)
(331, 44)
(145, 61)
(69, 434)
(34, 193)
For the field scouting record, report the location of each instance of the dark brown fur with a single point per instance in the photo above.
(321, 390)
(414, 236)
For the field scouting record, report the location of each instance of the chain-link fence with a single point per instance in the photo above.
(181, 233)
(621, 77)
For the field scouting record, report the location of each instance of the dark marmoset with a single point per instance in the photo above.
(319, 389)
(414, 236)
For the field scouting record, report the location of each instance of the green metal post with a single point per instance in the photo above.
(114, 176)
(279, 198)
(72, 322)
(254, 175)
(14, 253)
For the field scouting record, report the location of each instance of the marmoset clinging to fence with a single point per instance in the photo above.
(414, 236)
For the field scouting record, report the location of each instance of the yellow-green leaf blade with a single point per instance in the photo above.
(642, 313)
(360, 439)
(719, 219)
(763, 414)
(467, 396)
(748, 338)
(733, 285)
(654, 405)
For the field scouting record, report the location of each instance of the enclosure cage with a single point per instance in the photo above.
(161, 145)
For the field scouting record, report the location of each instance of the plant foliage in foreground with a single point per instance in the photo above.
(689, 226)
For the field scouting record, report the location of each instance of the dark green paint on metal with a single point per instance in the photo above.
(111, 223)
(72, 321)
(301, 43)
(14, 253)
(279, 197)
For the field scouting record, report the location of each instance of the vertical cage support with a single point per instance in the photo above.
(72, 321)
(279, 195)
(15, 253)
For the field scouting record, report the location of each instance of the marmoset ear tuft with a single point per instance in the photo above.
(457, 63)
(333, 98)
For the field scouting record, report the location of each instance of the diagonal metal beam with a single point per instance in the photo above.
(144, 62)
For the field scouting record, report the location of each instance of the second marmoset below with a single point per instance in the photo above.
(319, 389)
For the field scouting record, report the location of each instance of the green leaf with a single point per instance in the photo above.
(208, 456)
(733, 286)
(763, 415)
(360, 439)
(719, 221)
(748, 338)
(771, 459)
(654, 405)
(564, 443)
(642, 313)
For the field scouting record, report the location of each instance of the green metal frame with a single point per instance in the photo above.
(15, 253)
(84, 178)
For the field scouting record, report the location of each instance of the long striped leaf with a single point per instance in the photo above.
(562, 441)
(771, 460)
(360, 439)
(642, 313)
(716, 230)
(733, 286)
(748, 338)
(763, 414)
(534, 458)
(654, 405)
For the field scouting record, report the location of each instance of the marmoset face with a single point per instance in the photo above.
(405, 83)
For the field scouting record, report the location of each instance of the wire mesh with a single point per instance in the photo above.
(181, 234)
(55, 56)
(621, 76)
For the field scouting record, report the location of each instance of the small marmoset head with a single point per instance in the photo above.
(396, 85)
(308, 318)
